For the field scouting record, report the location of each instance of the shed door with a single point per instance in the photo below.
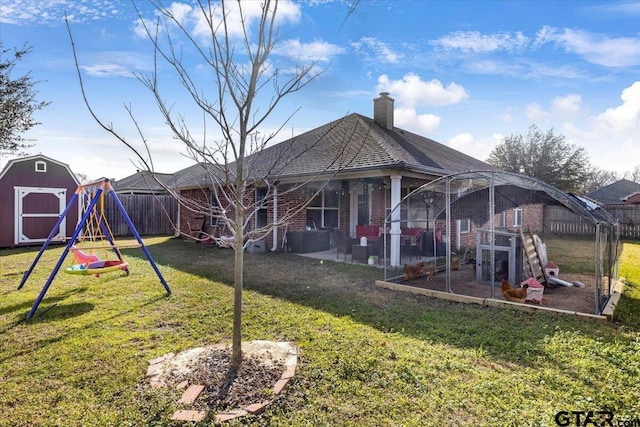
(37, 211)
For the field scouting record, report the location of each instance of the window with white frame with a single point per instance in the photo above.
(323, 210)
(503, 220)
(215, 210)
(464, 225)
(517, 217)
(261, 207)
(41, 166)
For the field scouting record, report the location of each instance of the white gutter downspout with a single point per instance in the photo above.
(275, 219)
(178, 232)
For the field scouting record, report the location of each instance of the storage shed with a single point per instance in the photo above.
(34, 192)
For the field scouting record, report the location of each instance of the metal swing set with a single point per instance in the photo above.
(93, 226)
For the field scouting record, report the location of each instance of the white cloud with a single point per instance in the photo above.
(611, 137)
(488, 67)
(251, 14)
(598, 49)
(194, 21)
(536, 113)
(567, 106)
(476, 42)
(409, 119)
(116, 64)
(382, 52)
(625, 117)
(181, 12)
(317, 50)
(506, 118)
(478, 148)
(522, 68)
(140, 30)
(107, 70)
(411, 91)
(52, 12)
(620, 8)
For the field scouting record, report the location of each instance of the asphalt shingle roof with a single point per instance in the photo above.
(142, 181)
(613, 194)
(350, 144)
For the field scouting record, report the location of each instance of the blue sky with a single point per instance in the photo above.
(463, 73)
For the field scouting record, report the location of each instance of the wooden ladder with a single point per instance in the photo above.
(533, 257)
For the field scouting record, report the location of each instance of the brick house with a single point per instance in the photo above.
(359, 166)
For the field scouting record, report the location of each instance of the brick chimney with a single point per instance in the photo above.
(383, 110)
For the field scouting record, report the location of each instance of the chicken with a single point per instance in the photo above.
(429, 270)
(413, 271)
(513, 294)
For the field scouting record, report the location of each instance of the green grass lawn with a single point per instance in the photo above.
(369, 356)
(574, 255)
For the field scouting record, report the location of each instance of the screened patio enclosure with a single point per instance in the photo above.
(480, 222)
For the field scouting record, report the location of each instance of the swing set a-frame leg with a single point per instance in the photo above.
(55, 270)
(139, 239)
(27, 273)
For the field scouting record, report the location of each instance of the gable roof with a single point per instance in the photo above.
(352, 144)
(141, 182)
(34, 157)
(616, 193)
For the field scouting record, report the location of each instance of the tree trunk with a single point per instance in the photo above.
(238, 280)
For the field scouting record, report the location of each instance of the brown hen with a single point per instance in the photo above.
(513, 294)
(413, 271)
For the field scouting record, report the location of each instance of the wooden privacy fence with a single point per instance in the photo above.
(562, 221)
(629, 217)
(150, 214)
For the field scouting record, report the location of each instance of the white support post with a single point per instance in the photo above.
(396, 180)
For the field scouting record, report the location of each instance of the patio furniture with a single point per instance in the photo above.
(427, 243)
(410, 241)
(371, 232)
(196, 229)
(303, 242)
(361, 253)
(343, 243)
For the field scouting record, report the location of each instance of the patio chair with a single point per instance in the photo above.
(343, 243)
(196, 229)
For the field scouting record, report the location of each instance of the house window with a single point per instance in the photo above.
(503, 220)
(41, 166)
(323, 210)
(464, 225)
(215, 210)
(261, 207)
(517, 217)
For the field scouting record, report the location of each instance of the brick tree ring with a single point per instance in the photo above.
(204, 375)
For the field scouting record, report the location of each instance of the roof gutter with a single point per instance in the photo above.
(340, 173)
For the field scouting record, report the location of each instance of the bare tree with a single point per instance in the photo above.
(633, 175)
(238, 159)
(598, 178)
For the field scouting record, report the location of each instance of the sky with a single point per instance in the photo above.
(464, 73)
